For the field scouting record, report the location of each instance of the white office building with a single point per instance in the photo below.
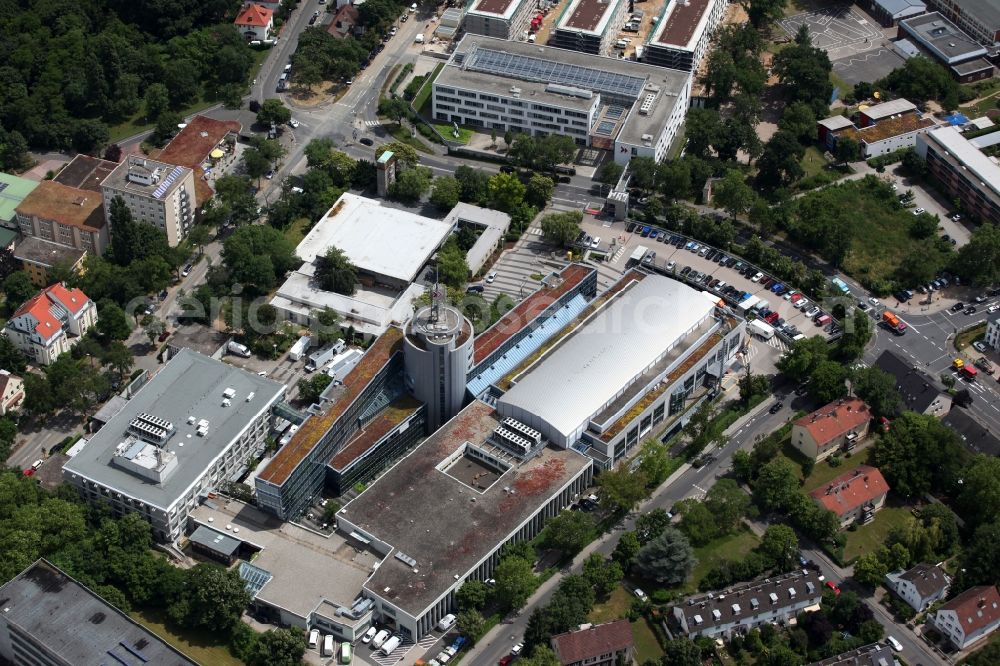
(681, 37)
(503, 19)
(627, 107)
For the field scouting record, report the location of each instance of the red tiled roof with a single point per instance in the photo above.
(525, 312)
(39, 306)
(976, 608)
(834, 420)
(574, 646)
(849, 491)
(343, 21)
(254, 15)
(72, 299)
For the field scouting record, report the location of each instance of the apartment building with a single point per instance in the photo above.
(605, 644)
(969, 617)
(503, 19)
(919, 586)
(993, 331)
(964, 171)
(50, 323)
(979, 18)
(740, 608)
(839, 426)
(683, 33)
(589, 26)
(195, 425)
(65, 215)
(11, 392)
(854, 496)
(158, 194)
(629, 108)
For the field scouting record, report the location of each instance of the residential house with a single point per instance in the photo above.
(345, 22)
(919, 586)
(970, 616)
(595, 645)
(854, 496)
(51, 322)
(159, 194)
(974, 435)
(11, 392)
(839, 426)
(255, 22)
(873, 654)
(919, 391)
(742, 607)
(993, 331)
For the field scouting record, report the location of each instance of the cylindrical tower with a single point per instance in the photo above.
(438, 354)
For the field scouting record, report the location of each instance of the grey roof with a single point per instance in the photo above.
(972, 66)
(942, 38)
(590, 367)
(457, 525)
(974, 435)
(75, 625)
(188, 385)
(971, 158)
(902, 8)
(736, 603)
(929, 579)
(476, 215)
(906, 48)
(917, 389)
(222, 544)
(987, 11)
(834, 123)
(873, 654)
(36, 250)
(168, 177)
(890, 108)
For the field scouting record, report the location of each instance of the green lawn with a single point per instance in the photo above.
(966, 338)
(448, 132)
(646, 645)
(869, 537)
(615, 607)
(296, 231)
(822, 473)
(202, 646)
(136, 123)
(424, 93)
(403, 135)
(731, 547)
(813, 161)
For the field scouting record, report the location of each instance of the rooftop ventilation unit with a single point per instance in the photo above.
(229, 393)
(647, 104)
(406, 559)
(523, 430)
(151, 428)
(512, 441)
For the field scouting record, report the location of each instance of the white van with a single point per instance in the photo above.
(446, 623)
(328, 645)
(379, 639)
(314, 639)
(390, 645)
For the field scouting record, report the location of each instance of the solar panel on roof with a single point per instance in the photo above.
(536, 69)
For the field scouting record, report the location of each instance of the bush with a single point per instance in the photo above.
(413, 87)
(407, 68)
(889, 158)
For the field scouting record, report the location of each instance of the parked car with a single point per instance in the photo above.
(776, 407)
(958, 307)
(813, 311)
(757, 277)
(640, 595)
(918, 211)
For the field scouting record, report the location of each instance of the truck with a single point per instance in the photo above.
(300, 347)
(236, 348)
(323, 356)
(638, 254)
(760, 329)
(964, 369)
(895, 324)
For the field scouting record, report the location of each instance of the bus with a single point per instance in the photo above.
(345, 653)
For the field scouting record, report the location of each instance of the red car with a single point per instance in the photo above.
(29, 472)
(836, 590)
(771, 318)
(505, 660)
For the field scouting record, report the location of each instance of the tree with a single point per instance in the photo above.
(802, 358)
(212, 598)
(682, 651)
(878, 389)
(622, 490)
(153, 327)
(799, 119)
(697, 522)
(604, 575)
(978, 261)
(625, 551)
(394, 107)
(826, 382)
(780, 545)
(979, 498)
(655, 462)
(667, 559)
(310, 388)
(119, 358)
(325, 326)
(610, 173)
(563, 228)
(701, 131)
(473, 184)
(335, 272)
(542, 656)
(411, 184)
(763, 12)
(569, 532)
(752, 385)
(918, 455)
(727, 503)
(651, 525)
(848, 150)
(539, 190)
(445, 192)
(804, 70)
(733, 194)
(273, 110)
(472, 595)
(870, 569)
(156, 101)
(508, 138)
(515, 582)
(506, 191)
(981, 557)
(471, 624)
(776, 486)
(453, 269)
(17, 287)
(780, 164)
(922, 79)
(405, 154)
(673, 179)
(643, 172)
(278, 647)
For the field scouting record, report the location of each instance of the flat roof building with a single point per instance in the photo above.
(630, 108)
(38, 256)
(979, 18)
(66, 215)
(159, 194)
(50, 618)
(13, 190)
(195, 425)
(891, 12)
(879, 129)
(683, 33)
(503, 19)
(388, 246)
(944, 41)
(491, 225)
(589, 26)
(491, 495)
(963, 170)
(206, 146)
(85, 172)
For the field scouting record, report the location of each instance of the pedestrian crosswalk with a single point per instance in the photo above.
(535, 231)
(372, 123)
